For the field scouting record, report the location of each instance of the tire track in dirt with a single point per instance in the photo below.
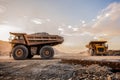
(12, 71)
(5, 65)
(23, 70)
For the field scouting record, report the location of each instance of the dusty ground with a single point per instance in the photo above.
(5, 48)
(37, 69)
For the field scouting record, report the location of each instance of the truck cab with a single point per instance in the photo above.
(98, 48)
(17, 38)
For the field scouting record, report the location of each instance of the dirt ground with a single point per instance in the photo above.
(38, 69)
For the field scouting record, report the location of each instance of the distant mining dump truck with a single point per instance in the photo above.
(98, 48)
(27, 45)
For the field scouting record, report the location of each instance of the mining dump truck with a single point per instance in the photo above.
(27, 45)
(98, 48)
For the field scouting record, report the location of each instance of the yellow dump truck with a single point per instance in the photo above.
(98, 48)
(27, 45)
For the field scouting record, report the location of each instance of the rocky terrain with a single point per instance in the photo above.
(54, 69)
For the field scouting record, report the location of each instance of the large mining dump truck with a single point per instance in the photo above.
(98, 48)
(27, 45)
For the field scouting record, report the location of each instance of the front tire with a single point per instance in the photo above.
(29, 54)
(46, 52)
(20, 52)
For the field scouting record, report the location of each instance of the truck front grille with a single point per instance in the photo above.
(101, 49)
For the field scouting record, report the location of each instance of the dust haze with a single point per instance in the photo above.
(17, 16)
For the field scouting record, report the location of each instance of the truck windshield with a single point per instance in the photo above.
(13, 37)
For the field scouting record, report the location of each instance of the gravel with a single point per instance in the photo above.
(77, 72)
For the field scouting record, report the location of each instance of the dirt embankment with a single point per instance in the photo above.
(5, 48)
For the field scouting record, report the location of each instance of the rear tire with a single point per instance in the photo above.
(20, 52)
(46, 52)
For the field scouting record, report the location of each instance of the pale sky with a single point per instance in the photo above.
(78, 21)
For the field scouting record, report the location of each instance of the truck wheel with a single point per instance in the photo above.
(29, 54)
(20, 52)
(46, 52)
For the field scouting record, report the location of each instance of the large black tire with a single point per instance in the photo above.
(20, 52)
(46, 52)
(29, 54)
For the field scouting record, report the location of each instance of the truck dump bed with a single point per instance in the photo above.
(43, 38)
(39, 38)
